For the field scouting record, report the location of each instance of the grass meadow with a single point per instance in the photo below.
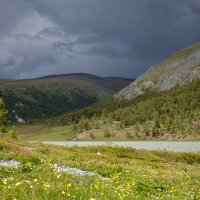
(102, 130)
(120, 173)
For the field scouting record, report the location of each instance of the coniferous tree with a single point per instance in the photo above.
(3, 118)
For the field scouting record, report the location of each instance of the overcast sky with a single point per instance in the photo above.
(102, 37)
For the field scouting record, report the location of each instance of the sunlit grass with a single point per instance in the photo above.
(127, 173)
(45, 132)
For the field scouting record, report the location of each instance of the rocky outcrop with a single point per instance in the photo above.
(131, 91)
(178, 69)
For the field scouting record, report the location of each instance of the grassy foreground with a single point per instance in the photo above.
(128, 173)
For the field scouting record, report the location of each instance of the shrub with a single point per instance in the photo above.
(4, 146)
(107, 134)
(92, 136)
(14, 133)
(129, 135)
(3, 118)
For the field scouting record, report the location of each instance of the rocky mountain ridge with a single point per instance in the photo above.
(178, 69)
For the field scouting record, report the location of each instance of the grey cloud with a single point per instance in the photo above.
(107, 37)
(195, 6)
(139, 22)
(11, 12)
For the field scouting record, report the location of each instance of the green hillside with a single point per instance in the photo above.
(155, 114)
(54, 95)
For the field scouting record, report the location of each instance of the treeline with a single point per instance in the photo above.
(154, 112)
(103, 107)
(174, 111)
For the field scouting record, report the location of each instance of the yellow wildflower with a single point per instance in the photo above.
(5, 182)
(46, 186)
(96, 186)
(35, 180)
(18, 183)
(58, 176)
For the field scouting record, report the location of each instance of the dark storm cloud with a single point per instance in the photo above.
(10, 13)
(195, 6)
(104, 37)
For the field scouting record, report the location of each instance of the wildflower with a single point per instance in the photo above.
(92, 199)
(69, 195)
(63, 192)
(86, 182)
(35, 180)
(46, 186)
(76, 181)
(58, 176)
(18, 183)
(5, 182)
(69, 185)
(96, 186)
(28, 182)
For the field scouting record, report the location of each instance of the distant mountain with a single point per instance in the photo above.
(56, 94)
(69, 75)
(178, 69)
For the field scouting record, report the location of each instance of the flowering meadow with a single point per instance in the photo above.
(117, 173)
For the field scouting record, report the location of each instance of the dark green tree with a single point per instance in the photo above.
(3, 118)
(14, 133)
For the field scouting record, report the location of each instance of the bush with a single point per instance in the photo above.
(3, 118)
(27, 167)
(155, 132)
(129, 135)
(107, 134)
(92, 136)
(4, 146)
(14, 133)
(75, 128)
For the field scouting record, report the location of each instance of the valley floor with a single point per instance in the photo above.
(106, 132)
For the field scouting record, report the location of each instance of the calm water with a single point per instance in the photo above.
(156, 145)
